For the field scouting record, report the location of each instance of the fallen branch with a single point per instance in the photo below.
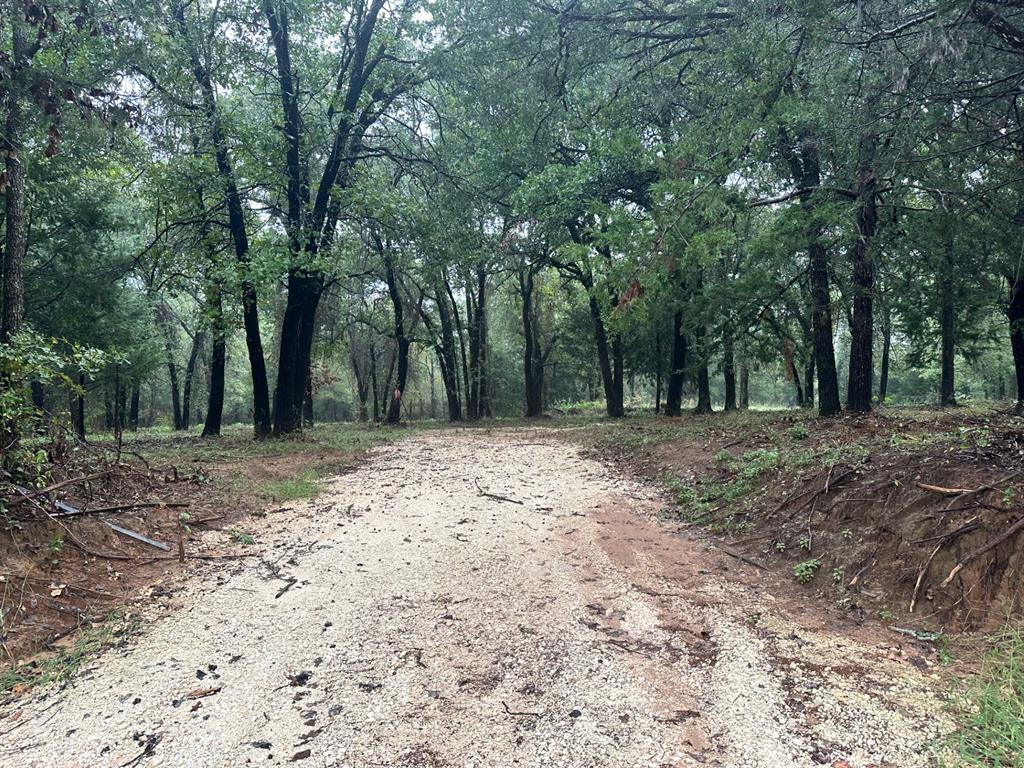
(71, 511)
(1008, 533)
(743, 558)
(23, 496)
(497, 496)
(943, 491)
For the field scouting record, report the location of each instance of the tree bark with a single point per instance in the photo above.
(164, 319)
(218, 363)
(611, 381)
(677, 376)
(883, 378)
(190, 371)
(744, 387)
(78, 412)
(15, 215)
(133, 408)
(533, 363)
(395, 402)
(947, 322)
(1015, 314)
(809, 384)
(703, 377)
(448, 357)
(729, 371)
(858, 396)
(806, 165)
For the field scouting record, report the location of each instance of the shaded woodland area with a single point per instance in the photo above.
(279, 212)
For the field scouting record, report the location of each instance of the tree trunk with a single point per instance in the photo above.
(190, 371)
(1015, 314)
(533, 366)
(947, 322)
(15, 216)
(858, 395)
(239, 236)
(883, 379)
(395, 402)
(164, 319)
(809, 384)
(677, 376)
(610, 379)
(483, 397)
(78, 412)
(374, 383)
(307, 403)
(133, 408)
(744, 387)
(729, 371)
(798, 387)
(362, 386)
(448, 358)
(807, 168)
(108, 407)
(703, 389)
(218, 363)
(295, 350)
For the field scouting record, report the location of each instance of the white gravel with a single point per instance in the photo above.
(430, 625)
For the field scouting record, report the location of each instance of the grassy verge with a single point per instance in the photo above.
(65, 662)
(991, 708)
(273, 470)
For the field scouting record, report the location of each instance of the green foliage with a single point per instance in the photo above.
(32, 358)
(806, 570)
(990, 708)
(65, 663)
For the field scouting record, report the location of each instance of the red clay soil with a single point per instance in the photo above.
(935, 520)
(59, 573)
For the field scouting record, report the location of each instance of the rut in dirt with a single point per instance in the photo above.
(481, 599)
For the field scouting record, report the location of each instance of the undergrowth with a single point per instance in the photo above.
(67, 661)
(990, 708)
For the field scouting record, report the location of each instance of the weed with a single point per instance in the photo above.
(239, 537)
(66, 663)
(799, 432)
(991, 707)
(806, 570)
(839, 574)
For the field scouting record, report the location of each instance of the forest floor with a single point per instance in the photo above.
(481, 597)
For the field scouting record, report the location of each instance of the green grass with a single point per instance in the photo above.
(67, 662)
(304, 486)
(991, 708)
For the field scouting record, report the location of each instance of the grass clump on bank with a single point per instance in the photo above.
(991, 708)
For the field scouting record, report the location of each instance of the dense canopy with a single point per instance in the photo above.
(275, 211)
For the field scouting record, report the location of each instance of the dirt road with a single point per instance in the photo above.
(407, 618)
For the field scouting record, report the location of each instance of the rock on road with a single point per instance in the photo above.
(406, 618)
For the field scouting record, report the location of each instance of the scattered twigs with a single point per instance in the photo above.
(26, 496)
(742, 558)
(944, 539)
(987, 487)
(1017, 526)
(518, 714)
(496, 496)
